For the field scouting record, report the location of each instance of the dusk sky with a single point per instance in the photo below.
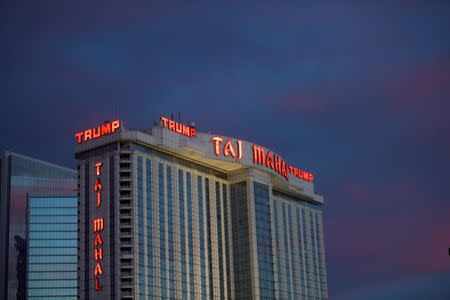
(357, 93)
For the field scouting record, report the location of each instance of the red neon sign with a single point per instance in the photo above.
(99, 131)
(228, 148)
(274, 162)
(98, 224)
(261, 157)
(178, 127)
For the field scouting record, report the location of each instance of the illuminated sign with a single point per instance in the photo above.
(99, 131)
(98, 224)
(228, 148)
(274, 162)
(178, 127)
(261, 157)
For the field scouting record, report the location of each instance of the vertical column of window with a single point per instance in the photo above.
(278, 247)
(295, 254)
(321, 277)
(208, 222)
(302, 250)
(286, 252)
(140, 212)
(227, 240)
(112, 228)
(171, 231)
(307, 256)
(321, 252)
(219, 239)
(162, 232)
(291, 252)
(264, 241)
(86, 229)
(201, 236)
(182, 234)
(314, 254)
(150, 271)
(190, 234)
(241, 241)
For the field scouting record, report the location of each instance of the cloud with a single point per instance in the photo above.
(423, 92)
(385, 234)
(302, 102)
(435, 286)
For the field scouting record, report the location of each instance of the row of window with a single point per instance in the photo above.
(53, 243)
(52, 235)
(52, 251)
(53, 202)
(53, 219)
(53, 227)
(52, 276)
(52, 259)
(52, 284)
(52, 267)
(46, 211)
(52, 292)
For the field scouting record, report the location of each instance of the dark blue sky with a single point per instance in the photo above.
(357, 92)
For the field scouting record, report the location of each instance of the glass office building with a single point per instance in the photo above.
(22, 176)
(52, 247)
(195, 216)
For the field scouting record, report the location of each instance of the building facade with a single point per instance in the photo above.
(171, 213)
(22, 177)
(52, 247)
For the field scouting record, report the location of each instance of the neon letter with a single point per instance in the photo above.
(259, 155)
(186, 130)
(106, 128)
(79, 136)
(99, 199)
(164, 120)
(228, 148)
(277, 163)
(217, 140)
(269, 161)
(115, 125)
(98, 254)
(291, 169)
(178, 128)
(172, 125)
(98, 240)
(98, 224)
(284, 170)
(88, 135)
(98, 185)
(98, 269)
(97, 168)
(239, 144)
(96, 132)
(98, 288)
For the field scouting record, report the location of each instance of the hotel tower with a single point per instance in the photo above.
(173, 213)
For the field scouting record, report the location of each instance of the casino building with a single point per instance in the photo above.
(170, 212)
